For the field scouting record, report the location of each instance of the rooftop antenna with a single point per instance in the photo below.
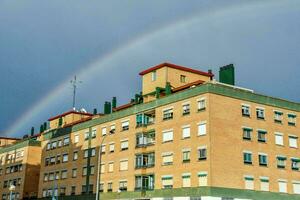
(74, 83)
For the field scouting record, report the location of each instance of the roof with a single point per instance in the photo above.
(123, 106)
(9, 138)
(69, 112)
(176, 67)
(186, 86)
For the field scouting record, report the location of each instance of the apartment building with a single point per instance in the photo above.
(20, 167)
(186, 136)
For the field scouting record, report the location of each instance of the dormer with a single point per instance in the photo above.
(68, 118)
(157, 77)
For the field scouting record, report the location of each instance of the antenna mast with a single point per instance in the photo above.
(74, 83)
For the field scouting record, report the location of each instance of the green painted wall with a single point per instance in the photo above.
(190, 192)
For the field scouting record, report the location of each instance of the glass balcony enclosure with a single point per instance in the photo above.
(145, 119)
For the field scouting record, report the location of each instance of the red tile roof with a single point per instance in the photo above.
(69, 112)
(123, 106)
(186, 86)
(176, 67)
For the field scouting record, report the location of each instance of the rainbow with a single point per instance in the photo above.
(103, 62)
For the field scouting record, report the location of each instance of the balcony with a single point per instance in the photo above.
(145, 119)
(145, 139)
(144, 161)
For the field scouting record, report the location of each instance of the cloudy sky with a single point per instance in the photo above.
(43, 44)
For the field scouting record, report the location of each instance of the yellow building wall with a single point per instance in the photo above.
(227, 164)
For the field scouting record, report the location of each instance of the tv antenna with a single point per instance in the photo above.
(74, 83)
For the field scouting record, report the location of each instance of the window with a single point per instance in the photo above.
(86, 135)
(182, 78)
(247, 157)
(103, 131)
(52, 160)
(125, 125)
(202, 128)
(84, 171)
(111, 147)
(186, 131)
(263, 159)
(201, 104)
(65, 158)
(153, 76)
(103, 148)
(296, 187)
(260, 113)
(86, 153)
(144, 182)
(144, 160)
(145, 139)
(57, 159)
(186, 180)
(45, 177)
(94, 133)
(278, 115)
(202, 153)
(249, 183)
(109, 187)
(93, 151)
(293, 141)
(281, 162)
(112, 129)
(64, 174)
(168, 114)
(295, 162)
(292, 119)
(247, 133)
(48, 146)
(59, 143)
(186, 154)
(245, 110)
(282, 186)
(167, 181)
(101, 187)
(74, 173)
(279, 139)
(261, 135)
(167, 158)
(123, 165)
(76, 138)
(185, 109)
(123, 185)
(66, 141)
(73, 190)
(111, 167)
(264, 184)
(92, 170)
(167, 136)
(75, 155)
(202, 179)
(57, 175)
(124, 145)
(102, 168)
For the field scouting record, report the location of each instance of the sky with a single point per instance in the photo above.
(43, 44)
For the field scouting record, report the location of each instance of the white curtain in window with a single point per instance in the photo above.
(202, 129)
(168, 136)
(296, 188)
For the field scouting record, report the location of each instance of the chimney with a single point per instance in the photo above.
(226, 74)
(210, 72)
(114, 103)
